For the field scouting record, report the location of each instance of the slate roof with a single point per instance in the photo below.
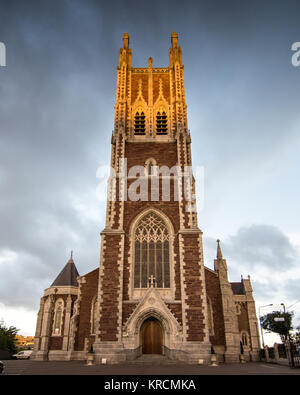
(68, 275)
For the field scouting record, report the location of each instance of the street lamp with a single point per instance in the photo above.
(261, 330)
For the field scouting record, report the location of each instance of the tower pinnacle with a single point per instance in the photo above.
(219, 252)
(174, 39)
(125, 40)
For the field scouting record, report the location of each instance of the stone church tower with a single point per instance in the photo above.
(152, 293)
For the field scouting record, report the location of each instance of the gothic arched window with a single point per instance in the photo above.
(151, 167)
(161, 123)
(139, 123)
(151, 240)
(57, 325)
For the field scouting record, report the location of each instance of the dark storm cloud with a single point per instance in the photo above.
(262, 245)
(266, 254)
(53, 117)
(57, 96)
(256, 246)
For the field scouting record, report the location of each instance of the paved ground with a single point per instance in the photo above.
(19, 367)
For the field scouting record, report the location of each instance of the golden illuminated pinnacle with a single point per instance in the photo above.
(125, 40)
(174, 39)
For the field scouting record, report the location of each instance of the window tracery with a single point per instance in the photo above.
(151, 252)
(57, 324)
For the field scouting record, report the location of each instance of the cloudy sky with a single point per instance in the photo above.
(57, 95)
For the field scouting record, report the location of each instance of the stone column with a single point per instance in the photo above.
(67, 323)
(232, 336)
(46, 326)
(253, 323)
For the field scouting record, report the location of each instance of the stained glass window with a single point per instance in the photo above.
(151, 252)
(58, 317)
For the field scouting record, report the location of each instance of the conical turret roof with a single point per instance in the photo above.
(68, 275)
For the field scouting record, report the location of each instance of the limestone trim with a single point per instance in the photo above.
(61, 290)
(67, 323)
(161, 140)
(76, 314)
(204, 293)
(182, 287)
(121, 272)
(152, 305)
(100, 291)
(93, 319)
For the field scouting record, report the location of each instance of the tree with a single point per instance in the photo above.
(295, 337)
(7, 338)
(270, 323)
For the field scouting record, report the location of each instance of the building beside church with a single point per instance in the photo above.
(152, 293)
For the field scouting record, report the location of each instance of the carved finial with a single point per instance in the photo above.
(219, 252)
(150, 61)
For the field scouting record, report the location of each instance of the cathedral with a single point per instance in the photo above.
(151, 293)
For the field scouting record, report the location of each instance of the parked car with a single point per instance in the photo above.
(1, 367)
(22, 354)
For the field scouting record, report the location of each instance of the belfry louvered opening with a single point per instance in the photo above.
(139, 123)
(161, 123)
(151, 253)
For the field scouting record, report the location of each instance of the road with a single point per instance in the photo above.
(27, 367)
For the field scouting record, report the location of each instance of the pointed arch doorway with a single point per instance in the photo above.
(152, 337)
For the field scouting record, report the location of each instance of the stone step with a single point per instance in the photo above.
(153, 359)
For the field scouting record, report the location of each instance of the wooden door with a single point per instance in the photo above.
(152, 337)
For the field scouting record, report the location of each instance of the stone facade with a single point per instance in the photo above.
(151, 257)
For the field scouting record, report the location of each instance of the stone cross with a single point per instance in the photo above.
(152, 281)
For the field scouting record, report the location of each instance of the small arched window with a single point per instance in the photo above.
(58, 314)
(161, 123)
(139, 123)
(151, 167)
